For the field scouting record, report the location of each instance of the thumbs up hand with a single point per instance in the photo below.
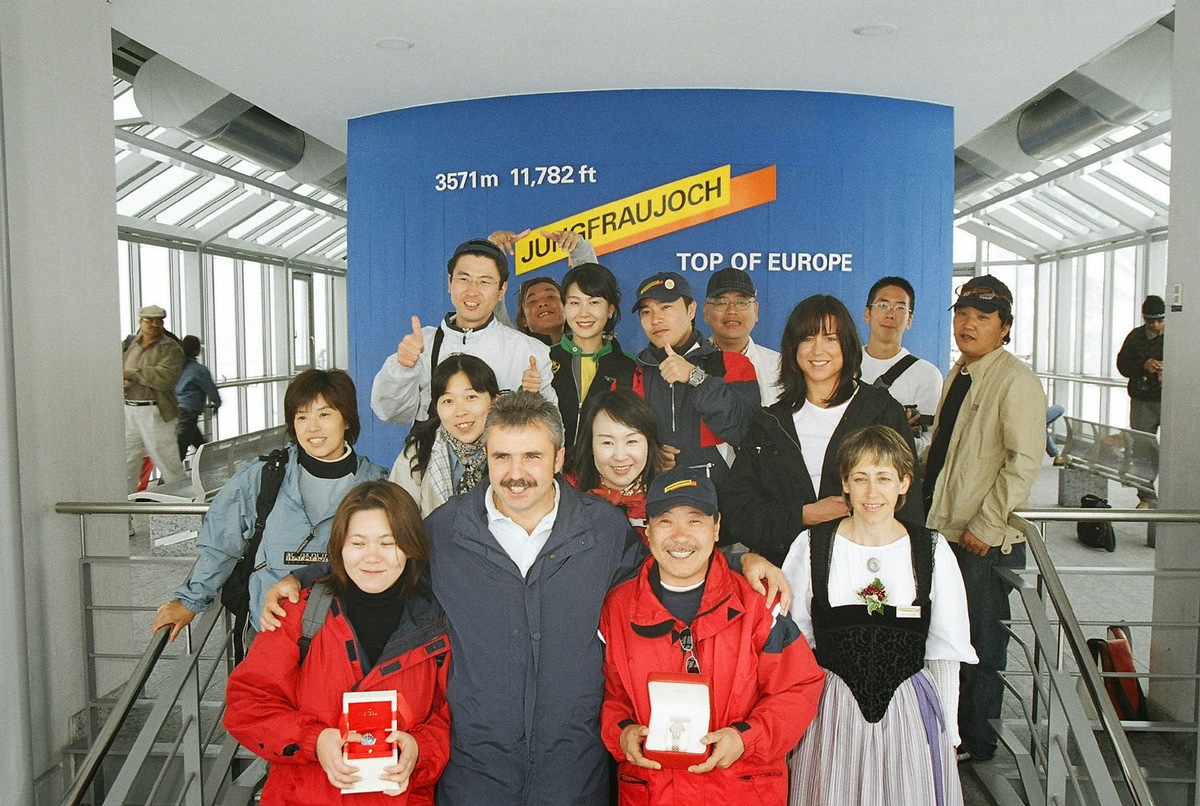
(531, 379)
(411, 346)
(675, 368)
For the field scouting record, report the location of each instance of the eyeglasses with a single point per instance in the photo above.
(983, 293)
(884, 307)
(738, 303)
(688, 645)
(462, 281)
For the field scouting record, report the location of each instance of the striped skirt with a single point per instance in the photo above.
(905, 758)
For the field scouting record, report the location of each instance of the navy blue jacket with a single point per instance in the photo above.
(526, 682)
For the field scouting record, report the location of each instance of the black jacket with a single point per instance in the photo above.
(762, 502)
(1131, 360)
(612, 367)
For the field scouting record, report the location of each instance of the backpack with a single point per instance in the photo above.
(320, 599)
(1115, 654)
(235, 593)
(1097, 534)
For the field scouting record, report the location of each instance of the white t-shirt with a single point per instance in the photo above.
(920, 385)
(814, 428)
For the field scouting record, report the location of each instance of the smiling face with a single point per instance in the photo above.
(462, 409)
(587, 315)
(819, 357)
(320, 430)
(888, 325)
(977, 333)
(619, 450)
(543, 309)
(874, 489)
(731, 324)
(475, 289)
(667, 322)
(682, 541)
(521, 467)
(370, 555)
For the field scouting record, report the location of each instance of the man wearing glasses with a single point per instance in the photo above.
(478, 276)
(731, 312)
(985, 455)
(914, 382)
(687, 617)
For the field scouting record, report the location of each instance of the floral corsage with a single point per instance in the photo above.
(874, 596)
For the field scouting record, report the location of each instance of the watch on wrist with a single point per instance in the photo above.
(697, 376)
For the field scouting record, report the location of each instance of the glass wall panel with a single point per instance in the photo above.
(253, 319)
(1092, 340)
(302, 321)
(154, 275)
(225, 315)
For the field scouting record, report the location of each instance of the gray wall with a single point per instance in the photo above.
(63, 373)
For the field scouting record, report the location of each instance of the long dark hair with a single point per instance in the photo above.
(404, 518)
(628, 409)
(423, 432)
(810, 318)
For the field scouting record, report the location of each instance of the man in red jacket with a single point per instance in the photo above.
(686, 613)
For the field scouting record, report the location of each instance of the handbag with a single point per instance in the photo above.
(1096, 534)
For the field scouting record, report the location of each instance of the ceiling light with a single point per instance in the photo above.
(393, 43)
(876, 29)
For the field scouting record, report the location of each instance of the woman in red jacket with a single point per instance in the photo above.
(384, 631)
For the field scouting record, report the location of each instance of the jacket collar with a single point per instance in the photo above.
(570, 347)
(448, 323)
(719, 606)
(695, 346)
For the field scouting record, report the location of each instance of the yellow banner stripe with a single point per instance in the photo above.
(628, 217)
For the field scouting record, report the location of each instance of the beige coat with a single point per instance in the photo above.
(995, 452)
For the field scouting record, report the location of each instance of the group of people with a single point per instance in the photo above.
(545, 547)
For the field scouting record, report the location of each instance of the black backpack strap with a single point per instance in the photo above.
(439, 336)
(274, 468)
(886, 380)
(320, 599)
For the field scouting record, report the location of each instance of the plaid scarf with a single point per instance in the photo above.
(473, 458)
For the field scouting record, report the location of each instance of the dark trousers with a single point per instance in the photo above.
(982, 692)
(187, 431)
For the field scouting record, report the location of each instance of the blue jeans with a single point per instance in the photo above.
(1052, 414)
(982, 692)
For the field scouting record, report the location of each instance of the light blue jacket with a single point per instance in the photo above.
(229, 525)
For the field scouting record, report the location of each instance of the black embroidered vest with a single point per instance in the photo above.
(873, 654)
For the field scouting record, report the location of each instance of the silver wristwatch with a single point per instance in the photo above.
(696, 376)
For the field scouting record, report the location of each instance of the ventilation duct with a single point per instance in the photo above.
(173, 97)
(1118, 89)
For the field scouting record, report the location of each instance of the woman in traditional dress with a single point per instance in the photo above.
(883, 605)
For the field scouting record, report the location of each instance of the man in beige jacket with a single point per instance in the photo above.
(986, 453)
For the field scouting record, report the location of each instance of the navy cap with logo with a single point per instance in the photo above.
(665, 286)
(681, 486)
(1153, 307)
(730, 279)
(985, 293)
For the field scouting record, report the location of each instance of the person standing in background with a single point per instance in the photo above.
(151, 363)
(195, 384)
(1141, 361)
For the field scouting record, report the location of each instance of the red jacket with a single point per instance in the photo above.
(766, 684)
(276, 707)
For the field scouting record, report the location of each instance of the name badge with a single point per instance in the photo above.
(910, 611)
(304, 557)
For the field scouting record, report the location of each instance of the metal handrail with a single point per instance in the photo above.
(1069, 625)
(116, 719)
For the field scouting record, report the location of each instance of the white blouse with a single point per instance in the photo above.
(949, 631)
(814, 429)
